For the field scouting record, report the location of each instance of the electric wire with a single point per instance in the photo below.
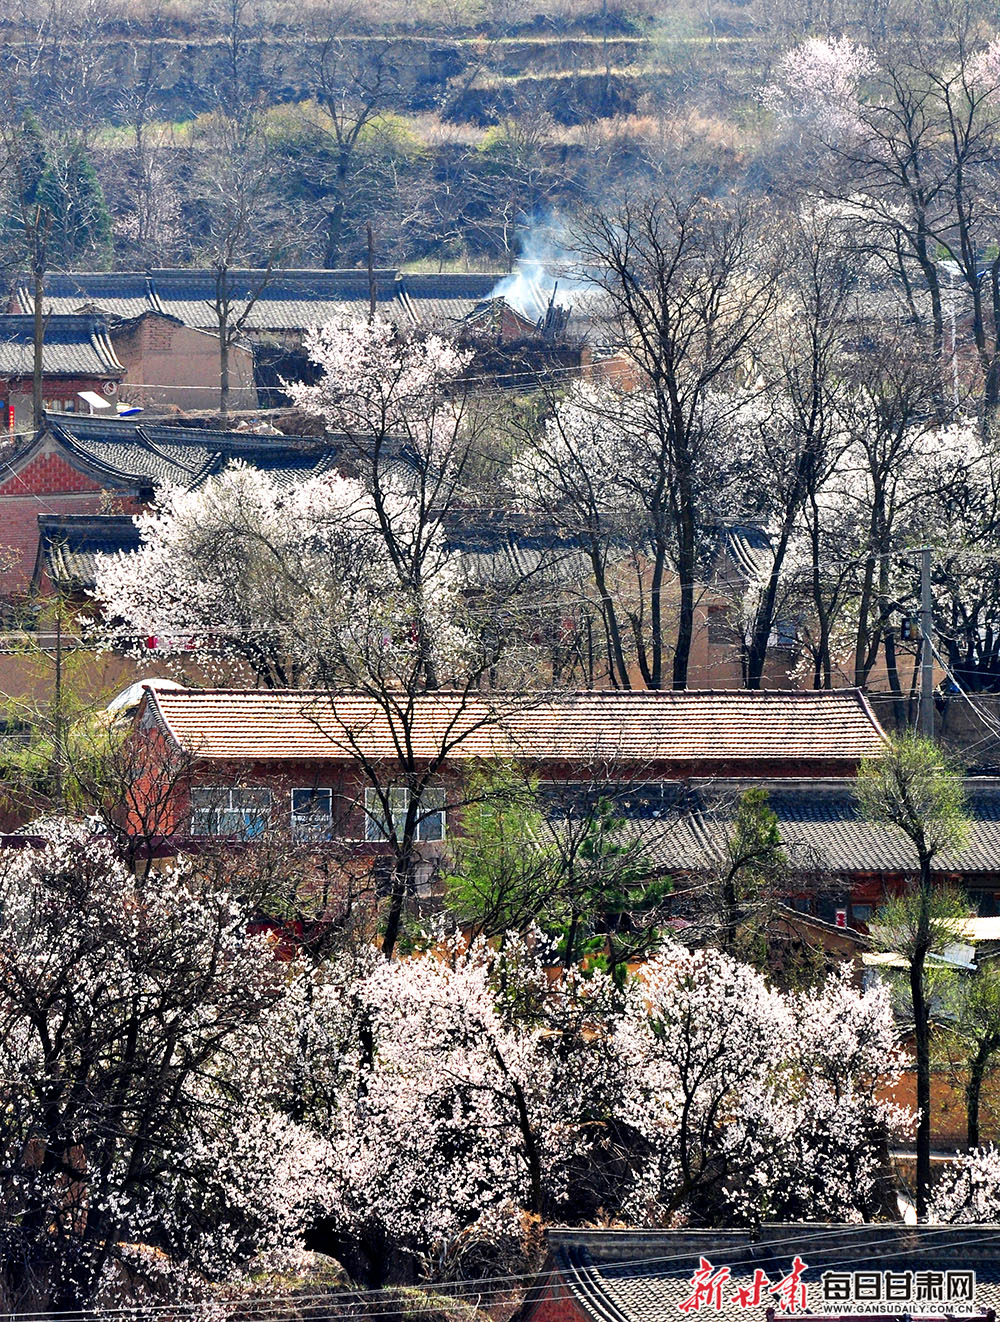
(279, 1304)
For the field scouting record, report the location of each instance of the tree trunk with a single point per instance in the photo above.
(401, 874)
(921, 1034)
(37, 401)
(861, 648)
(685, 619)
(333, 246)
(656, 617)
(892, 674)
(397, 898)
(973, 1092)
(616, 658)
(223, 369)
(757, 655)
(824, 662)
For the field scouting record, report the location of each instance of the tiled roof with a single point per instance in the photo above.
(820, 729)
(73, 346)
(820, 827)
(442, 301)
(828, 824)
(287, 300)
(644, 1275)
(124, 294)
(747, 548)
(128, 451)
(513, 550)
(69, 545)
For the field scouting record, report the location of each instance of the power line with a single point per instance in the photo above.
(464, 1289)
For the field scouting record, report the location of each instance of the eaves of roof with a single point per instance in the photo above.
(89, 464)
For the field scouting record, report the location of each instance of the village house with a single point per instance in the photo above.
(77, 359)
(674, 764)
(523, 327)
(306, 762)
(91, 466)
(286, 302)
(86, 468)
(168, 364)
(520, 326)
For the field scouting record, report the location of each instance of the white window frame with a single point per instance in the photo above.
(399, 798)
(226, 815)
(311, 825)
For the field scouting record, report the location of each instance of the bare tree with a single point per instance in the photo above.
(689, 288)
(52, 201)
(242, 236)
(802, 439)
(355, 80)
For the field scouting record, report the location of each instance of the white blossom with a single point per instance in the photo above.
(968, 1188)
(817, 84)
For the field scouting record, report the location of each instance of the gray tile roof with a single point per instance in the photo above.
(443, 301)
(747, 548)
(69, 546)
(820, 827)
(124, 294)
(130, 452)
(645, 1275)
(514, 550)
(284, 301)
(288, 301)
(74, 346)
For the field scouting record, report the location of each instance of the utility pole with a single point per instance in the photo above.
(926, 646)
(372, 291)
(57, 715)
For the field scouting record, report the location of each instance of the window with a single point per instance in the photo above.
(430, 817)
(312, 814)
(720, 626)
(783, 634)
(861, 913)
(219, 810)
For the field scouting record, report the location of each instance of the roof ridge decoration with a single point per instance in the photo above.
(104, 347)
(168, 458)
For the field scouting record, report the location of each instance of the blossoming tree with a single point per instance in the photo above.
(346, 582)
(462, 1091)
(141, 1135)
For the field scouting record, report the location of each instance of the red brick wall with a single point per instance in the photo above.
(47, 484)
(555, 1304)
(19, 533)
(348, 783)
(47, 472)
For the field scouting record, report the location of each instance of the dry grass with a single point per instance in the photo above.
(432, 131)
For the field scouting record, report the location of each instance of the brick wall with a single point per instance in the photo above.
(555, 1304)
(166, 364)
(19, 533)
(47, 484)
(47, 472)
